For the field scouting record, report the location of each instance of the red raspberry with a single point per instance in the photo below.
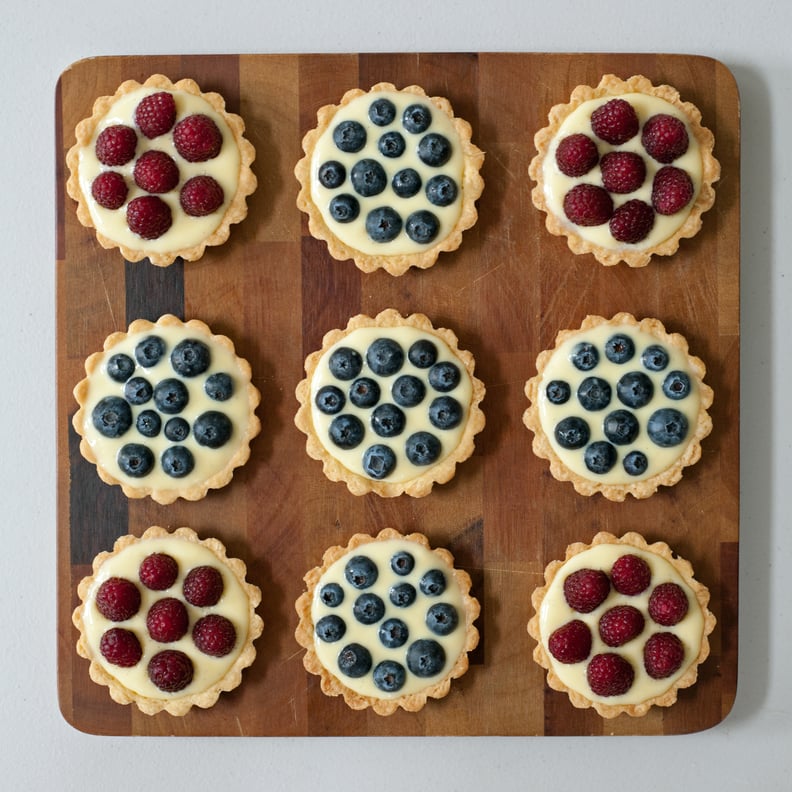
(118, 599)
(632, 221)
(609, 674)
(630, 575)
(588, 205)
(158, 571)
(214, 635)
(201, 196)
(586, 589)
(621, 624)
(622, 171)
(615, 121)
(148, 216)
(664, 137)
(576, 154)
(570, 643)
(156, 114)
(672, 190)
(120, 647)
(167, 620)
(116, 145)
(663, 655)
(109, 189)
(668, 604)
(170, 670)
(197, 138)
(203, 586)
(156, 172)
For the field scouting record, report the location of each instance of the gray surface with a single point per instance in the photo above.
(750, 749)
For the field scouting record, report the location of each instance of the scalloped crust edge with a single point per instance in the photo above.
(330, 684)
(688, 678)
(203, 699)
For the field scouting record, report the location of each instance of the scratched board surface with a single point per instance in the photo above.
(506, 292)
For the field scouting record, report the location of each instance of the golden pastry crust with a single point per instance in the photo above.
(612, 86)
(641, 488)
(331, 685)
(690, 673)
(396, 264)
(440, 472)
(236, 209)
(216, 478)
(176, 705)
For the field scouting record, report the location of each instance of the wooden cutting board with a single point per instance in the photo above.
(506, 292)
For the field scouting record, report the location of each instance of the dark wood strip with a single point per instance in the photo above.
(154, 291)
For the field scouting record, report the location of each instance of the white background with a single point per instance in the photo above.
(751, 749)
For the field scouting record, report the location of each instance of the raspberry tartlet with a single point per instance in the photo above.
(390, 404)
(387, 622)
(389, 178)
(166, 410)
(161, 170)
(618, 406)
(621, 625)
(167, 620)
(624, 170)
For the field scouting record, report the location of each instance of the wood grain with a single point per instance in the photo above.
(506, 292)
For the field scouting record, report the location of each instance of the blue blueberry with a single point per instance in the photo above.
(422, 226)
(416, 118)
(177, 430)
(423, 448)
(393, 633)
(383, 224)
(388, 420)
(137, 390)
(676, 385)
(149, 423)
(654, 358)
(331, 594)
(433, 583)
(406, 183)
(112, 416)
(402, 595)
(635, 463)
(389, 676)
(349, 136)
(619, 349)
(364, 392)
(368, 608)
(149, 351)
(345, 363)
(572, 432)
(344, 208)
(442, 618)
(330, 628)
(219, 387)
(621, 427)
(434, 149)
(177, 461)
(425, 658)
(190, 357)
(594, 394)
(368, 178)
(385, 357)
(382, 112)
(379, 461)
(330, 400)
(120, 367)
(171, 396)
(444, 376)
(408, 391)
(441, 190)
(212, 429)
(558, 392)
(422, 353)
(402, 563)
(347, 431)
(391, 144)
(354, 661)
(135, 460)
(584, 356)
(361, 572)
(600, 457)
(635, 389)
(332, 174)
(667, 427)
(445, 412)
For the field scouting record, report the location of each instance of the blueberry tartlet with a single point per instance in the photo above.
(166, 410)
(618, 407)
(167, 621)
(389, 178)
(624, 170)
(387, 622)
(390, 404)
(621, 625)
(160, 170)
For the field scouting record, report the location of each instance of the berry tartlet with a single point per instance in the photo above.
(167, 620)
(389, 178)
(390, 404)
(160, 170)
(387, 622)
(618, 406)
(624, 170)
(166, 410)
(621, 625)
